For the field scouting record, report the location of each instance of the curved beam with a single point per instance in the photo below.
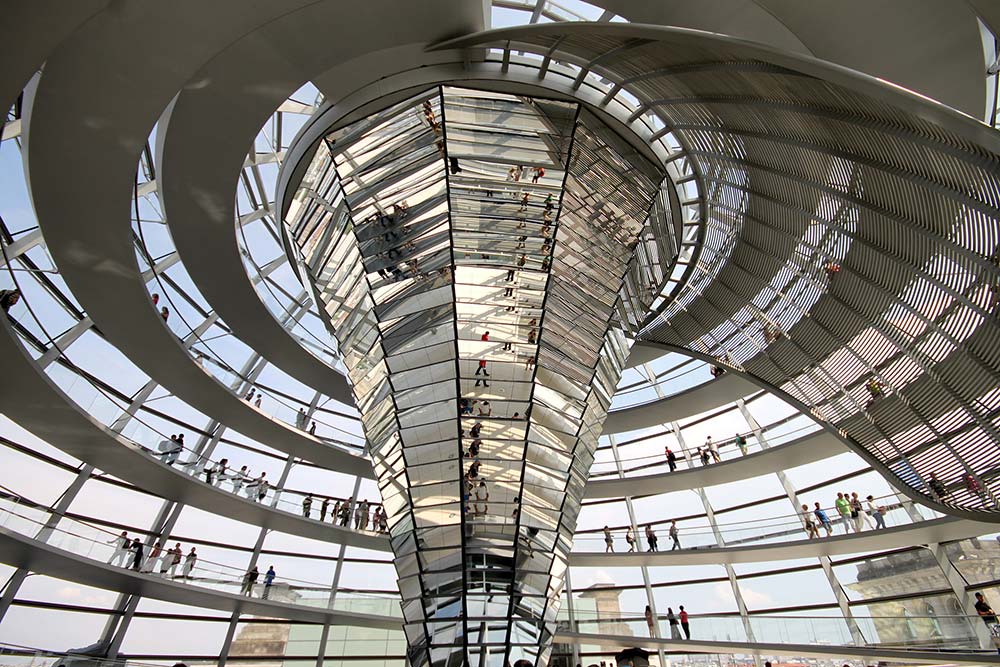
(36, 403)
(17, 550)
(696, 400)
(866, 653)
(92, 124)
(807, 449)
(898, 537)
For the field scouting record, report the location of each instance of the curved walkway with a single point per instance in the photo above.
(199, 198)
(696, 400)
(34, 401)
(866, 653)
(101, 94)
(926, 532)
(807, 449)
(17, 550)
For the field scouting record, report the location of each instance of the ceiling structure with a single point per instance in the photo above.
(724, 187)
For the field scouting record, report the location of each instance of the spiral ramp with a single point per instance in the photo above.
(153, 148)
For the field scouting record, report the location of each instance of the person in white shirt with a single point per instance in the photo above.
(240, 478)
(170, 450)
(876, 512)
(122, 544)
(189, 563)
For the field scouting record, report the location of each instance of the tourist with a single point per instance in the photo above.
(122, 545)
(323, 509)
(175, 560)
(876, 512)
(189, 562)
(239, 479)
(685, 625)
(482, 498)
(136, 554)
(170, 450)
(807, 519)
(249, 580)
(843, 507)
(823, 519)
(630, 539)
(937, 488)
(650, 537)
(712, 449)
(153, 557)
(650, 621)
(482, 369)
(268, 581)
(609, 541)
(671, 458)
(300, 419)
(741, 442)
(989, 617)
(675, 631)
(165, 314)
(858, 515)
(307, 503)
(674, 535)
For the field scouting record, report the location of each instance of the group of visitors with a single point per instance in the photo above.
(250, 580)
(851, 512)
(344, 514)
(301, 418)
(158, 559)
(164, 561)
(707, 454)
(651, 538)
(256, 489)
(677, 622)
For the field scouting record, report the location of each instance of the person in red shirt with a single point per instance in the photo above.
(486, 336)
(684, 623)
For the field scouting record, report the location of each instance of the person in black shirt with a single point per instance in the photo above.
(989, 617)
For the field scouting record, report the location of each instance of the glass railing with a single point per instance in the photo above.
(662, 386)
(895, 512)
(728, 449)
(944, 632)
(158, 445)
(105, 546)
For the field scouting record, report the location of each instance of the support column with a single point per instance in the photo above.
(254, 557)
(838, 591)
(650, 598)
(720, 540)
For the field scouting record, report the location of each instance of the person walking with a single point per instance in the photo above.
(650, 621)
(713, 450)
(301, 419)
(843, 506)
(136, 554)
(323, 509)
(307, 504)
(249, 581)
(685, 625)
(122, 545)
(671, 458)
(858, 514)
(630, 539)
(876, 512)
(675, 630)
(189, 562)
(609, 541)
(268, 581)
(741, 442)
(650, 537)
(823, 519)
(807, 519)
(674, 535)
